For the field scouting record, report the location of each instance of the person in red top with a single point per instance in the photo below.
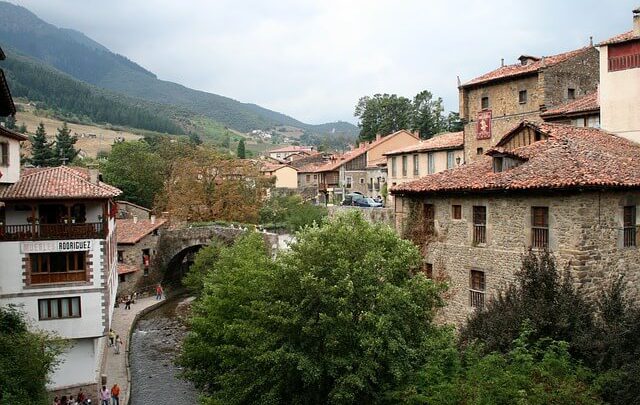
(159, 292)
(115, 394)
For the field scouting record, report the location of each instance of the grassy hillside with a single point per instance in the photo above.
(77, 55)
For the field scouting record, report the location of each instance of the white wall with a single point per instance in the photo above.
(80, 364)
(619, 99)
(11, 173)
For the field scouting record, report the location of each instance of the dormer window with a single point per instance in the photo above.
(503, 163)
(497, 164)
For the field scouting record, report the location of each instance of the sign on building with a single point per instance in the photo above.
(483, 126)
(45, 246)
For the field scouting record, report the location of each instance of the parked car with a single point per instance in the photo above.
(367, 202)
(351, 198)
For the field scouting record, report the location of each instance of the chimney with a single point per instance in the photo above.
(153, 219)
(94, 176)
(501, 62)
(590, 40)
(135, 219)
(378, 136)
(636, 21)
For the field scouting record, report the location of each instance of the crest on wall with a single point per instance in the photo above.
(483, 124)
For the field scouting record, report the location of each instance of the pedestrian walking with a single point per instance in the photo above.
(112, 337)
(115, 394)
(118, 344)
(105, 396)
(81, 397)
(127, 304)
(159, 292)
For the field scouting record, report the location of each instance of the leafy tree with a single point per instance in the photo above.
(382, 114)
(453, 122)
(22, 128)
(240, 153)
(427, 116)
(136, 170)
(209, 186)
(194, 139)
(204, 263)
(27, 359)
(41, 149)
(10, 122)
(340, 318)
(64, 152)
(291, 212)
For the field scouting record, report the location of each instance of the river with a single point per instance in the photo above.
(155, 343)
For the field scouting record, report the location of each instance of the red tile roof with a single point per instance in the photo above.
(570, 158)
(624, 37)
(62, 182)
(13, 135)
(127, 268)
(272, 167)
(519, 69)
(588, 103)
(130, 233)
(449, 140)
(292, 148)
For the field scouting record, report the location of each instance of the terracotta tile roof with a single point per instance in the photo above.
(62, 182)
(374, 164)
(519, 69)
(624, 37)
(588, 103)
(570, 158)
(292, 148)
(272, 167)
(129, 232)
(11, 134)
(127, 268)
(449, 140)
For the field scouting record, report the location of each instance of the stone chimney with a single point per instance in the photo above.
(94, 176)
(501, 62)
(636, 21)
(153, 219)
(135, 219)
(378, 136)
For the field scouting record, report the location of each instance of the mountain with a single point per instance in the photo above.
(77, 55)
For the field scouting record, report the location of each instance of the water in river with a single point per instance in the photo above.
(154, 345)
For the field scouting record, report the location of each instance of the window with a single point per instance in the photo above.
(308, 178)
(120, 256)
(4, 154)
(428, 270)
(361, 180)
(349, 180)
(315, 177)
(571, 94)
(394, 171)
(522, 96)
(404, 166)
(456, 211)
(629, 226)
(59, 308)
(479, 224)
(431, 161)
(428, 212)
(540, 227)
(479, 151)
(57, 267)
(497, 164)
(476, 289)
(450, 159)
(416, 165)
(624, 56)
(484, 103)
(122, 278)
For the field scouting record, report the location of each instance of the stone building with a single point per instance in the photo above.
(573, 191)
(620, 82)
(137, 244)
(582, 112)
(493, 103)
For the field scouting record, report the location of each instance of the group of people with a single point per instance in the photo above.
(80, 399)
(115, 341)
(110, 396)
(129, 299)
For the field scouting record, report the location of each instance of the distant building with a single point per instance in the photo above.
(495, 102)
(285, 175)
(284, 152)
(620, 82)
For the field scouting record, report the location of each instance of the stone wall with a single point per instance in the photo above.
(132, 255)
(585, 232)
(373, 215)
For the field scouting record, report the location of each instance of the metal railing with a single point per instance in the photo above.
(540, 238)
(476, 299)
(479, 233)
(89, 230)
(629, 236)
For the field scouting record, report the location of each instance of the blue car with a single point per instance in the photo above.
(367, 202)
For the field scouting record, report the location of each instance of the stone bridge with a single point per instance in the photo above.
(174, 245)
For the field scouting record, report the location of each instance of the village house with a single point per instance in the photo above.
(285, 175)
(496, 101)
(362, 169)
(442, 152)
(284, 153)
(569, 190)
(620, 82)
(137, 243)
(582, 112)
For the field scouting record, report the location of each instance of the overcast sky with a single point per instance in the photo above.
(314, 59)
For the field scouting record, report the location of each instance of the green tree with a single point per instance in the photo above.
(64, 152)
(453, 122)
(240, 153)
(204, 263)
(194, 139)
(41, 149)
(342, 317)
(27, 359)
(22, 128)
(427, 117)
(136, 170)
(10, 122)
(383, 114)
(291, 212)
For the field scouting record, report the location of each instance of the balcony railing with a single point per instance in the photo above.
(540, 238)
(93, 230)
(629, 236)
(476, 299)
(479, 233)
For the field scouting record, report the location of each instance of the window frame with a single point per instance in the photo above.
(58, 301)
(522, 96)
(479, 215)
(456, 211)
(41, 264)
(540, 230)
(571, 93)
(4, 154)
(629, 226)
(405, 165)
(431, 162)
(394, 166)
(416, 165)
(484, 103)
(451, 159)
(477, 288)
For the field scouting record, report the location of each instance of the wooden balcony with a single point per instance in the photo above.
(94, 230)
